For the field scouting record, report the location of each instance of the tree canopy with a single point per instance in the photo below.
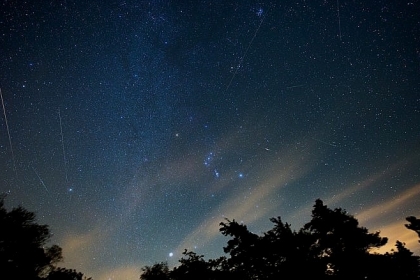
(414, 224)
(23, 250)
(332, 245)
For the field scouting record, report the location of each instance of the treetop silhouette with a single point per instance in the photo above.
(332, 245)
(23, 250)
(414, 224)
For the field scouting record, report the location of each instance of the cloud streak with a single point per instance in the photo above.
(389, 206)
(397, 231)
(252, 203)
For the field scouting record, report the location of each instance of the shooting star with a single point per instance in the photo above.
(296, 86)
(241, 60)
(327, 143)
(339, 20)
(8, 131)
(62, 146)
(39, 177)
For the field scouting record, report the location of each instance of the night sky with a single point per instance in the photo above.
(137, 126)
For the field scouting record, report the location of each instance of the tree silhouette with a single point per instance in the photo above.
(23, 250)
(22, 240)
(194, 266)
(405, 264)
(339, 242)
(286, 252)
(414, 224)
(158, 271)
(244, 261)
(66, 274)
(331, 245)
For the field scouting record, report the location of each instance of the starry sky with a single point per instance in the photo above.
(132, 128)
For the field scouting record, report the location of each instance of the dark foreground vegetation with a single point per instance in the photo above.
(23, 251)
(331, 246)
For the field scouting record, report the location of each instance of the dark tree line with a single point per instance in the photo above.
(331, 245)
(23, 250)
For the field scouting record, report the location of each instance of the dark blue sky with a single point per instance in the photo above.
(137, 126)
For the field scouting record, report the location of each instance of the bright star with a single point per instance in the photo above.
(171, 254)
